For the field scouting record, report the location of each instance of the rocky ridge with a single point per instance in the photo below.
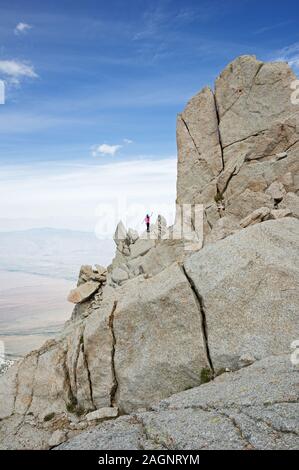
(170, 314)
(238, 147)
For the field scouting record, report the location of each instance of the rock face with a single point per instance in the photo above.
(169, 315)
(247, 156)
(199, 149)
(247, 284)
(230, 304)
(160, 346)
(254, 408)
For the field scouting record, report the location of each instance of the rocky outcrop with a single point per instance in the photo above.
(89, 290)
(92, 274)
(169, 314)
(145, 255)
(249, 156)
(254, 408)
(247, 283)
(199, 148)
(230, 304)
(160, 345)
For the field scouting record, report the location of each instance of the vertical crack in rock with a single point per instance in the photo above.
(33, 383)
(115, 382)
(200, 304)
(207, 219)
(191, 137)
(218, 127)
(233, 173)
(78, 348)
(20, 425)
(17, 389)
(88, 371)
(70, 396)
(253, 80)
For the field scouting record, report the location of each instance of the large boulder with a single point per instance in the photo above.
(160, 346)
(248, 285)
(83, 292)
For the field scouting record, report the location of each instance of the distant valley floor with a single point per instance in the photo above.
(33, 308)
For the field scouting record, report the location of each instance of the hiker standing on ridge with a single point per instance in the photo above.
(147, 220)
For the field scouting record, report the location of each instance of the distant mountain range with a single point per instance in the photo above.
(52, 252)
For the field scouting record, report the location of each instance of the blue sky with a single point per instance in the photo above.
(83, 74)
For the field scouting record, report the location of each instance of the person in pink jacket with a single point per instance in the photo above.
(147, 220)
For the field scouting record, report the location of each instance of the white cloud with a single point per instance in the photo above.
(104, 150)
(22, 28)
(14, 70)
